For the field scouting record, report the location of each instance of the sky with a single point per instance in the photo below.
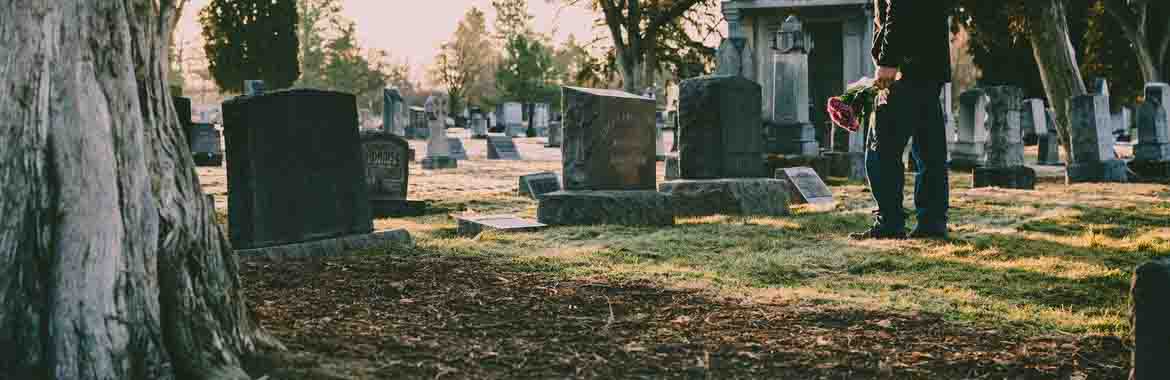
(413, 29)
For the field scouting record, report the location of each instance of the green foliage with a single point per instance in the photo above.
(463, 63)
(527, 71)
(251, 39)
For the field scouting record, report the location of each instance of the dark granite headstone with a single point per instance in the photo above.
(387, 166)
(1049, 143)
(608, 140)
(1150, 296)
(1151, 160)
(458, 152)
(295, 168)
(720, 128)
(502, 148)
(808, 186)
(535, 185)
(206, 147)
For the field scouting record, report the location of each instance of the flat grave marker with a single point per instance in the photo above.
(809, 188)
(471, 225)
(535, 185)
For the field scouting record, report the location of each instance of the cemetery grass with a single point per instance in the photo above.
(1031, 285)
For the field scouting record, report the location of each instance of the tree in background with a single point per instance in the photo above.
(462, 62)
(1146, 25)
(251, 39)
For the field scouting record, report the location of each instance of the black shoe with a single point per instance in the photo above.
(929, 233)
(878, 233)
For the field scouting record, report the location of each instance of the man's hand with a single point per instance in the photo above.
(886, 76)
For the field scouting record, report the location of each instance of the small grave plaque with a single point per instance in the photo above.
(471, 225)
(808, 185)
(458, 152)
(535, 185)
(502, 148)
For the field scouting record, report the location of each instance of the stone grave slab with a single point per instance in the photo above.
(728, 196)
(471, 225)
(629, 207)
(333, 247)
(807, 186)
(295, 168)
(608, 140)
(502, 148)
(535, 185)
(458, 152)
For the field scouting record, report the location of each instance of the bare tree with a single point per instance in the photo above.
(1147, 27)
(1048, 23)
(112, 265)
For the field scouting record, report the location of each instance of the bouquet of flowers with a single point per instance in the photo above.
(856, 104)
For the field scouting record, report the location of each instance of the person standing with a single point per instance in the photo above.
(911, 49)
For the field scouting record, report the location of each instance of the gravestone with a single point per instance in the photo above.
(1004, 166)
(388, 174)
(659, 144)
(295, 168)
(807, 186)
(967, 151)
(479, 125)
(791, 125)
(393, 109)
(946, 98)
(554, 135)
(1093, 158)
(512, 117)
(502, 148)
(1033, 121)
(540, 119)
(1150, 313)
(254, 87)
(1049, 150)
(438, 145)
(535, 185)
(729, 196)
(471, 225)
(1152, 153)
(457, 150)
(206, 146)
(608, 140)
(625, 208)
(1099, 86)
(183, 109)
(1122, 120)
(419, 124)
(719, 128)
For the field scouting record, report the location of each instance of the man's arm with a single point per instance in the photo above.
(897, 31)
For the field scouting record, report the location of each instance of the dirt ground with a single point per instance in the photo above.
(432, 313)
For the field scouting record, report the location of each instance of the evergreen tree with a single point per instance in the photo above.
(251, 39)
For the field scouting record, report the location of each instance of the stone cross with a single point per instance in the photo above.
(437, 145)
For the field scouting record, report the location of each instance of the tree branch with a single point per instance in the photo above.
(676, 9)
(1164, 47)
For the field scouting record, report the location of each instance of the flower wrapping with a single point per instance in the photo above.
(848, 110)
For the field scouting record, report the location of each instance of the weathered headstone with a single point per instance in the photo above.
(1152, 154)
(206, 146)
(438, 145)
(295, 168)
(967, 151)
(1150, 313)
(719, 128)
(393, 109)
(608, 141)
(388, 174)
(807, 186)
(1093, 158)
(1033, 122)
(847, 158)
(512, 117)
(471, 225)
(535, 185)
(629, 208)
(540, 119)
(1005, 148)
(792, 128)
(1049, 150)
(457, 150)
(502, 148)
(672, 170)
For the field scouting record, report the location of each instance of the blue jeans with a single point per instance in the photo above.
(913, 111)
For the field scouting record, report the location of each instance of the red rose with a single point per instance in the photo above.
(843, 115)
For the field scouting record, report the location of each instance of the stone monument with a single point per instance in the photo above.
(967, 151)
(792, 131)
(1152, 154)
(1093, 158)
(438, 145)
(512, 117)
(387, 164)
(393, 111)
(1150, 312)
(1122, 121)
(479, 124)
(554, 134)
(206, 146)
(1049, 149)
(1033, 121)
(608, 162)
(1005, 148)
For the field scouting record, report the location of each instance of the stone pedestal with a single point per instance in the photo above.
(333, 247)
(1150, 296)
(1093, 158)
(639, 208)
(479, 128)
(1049, 149)
(1016, 177)
(731, 196)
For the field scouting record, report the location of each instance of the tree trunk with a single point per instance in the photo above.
(1057, 60)
(111, 263)
(1135, 29)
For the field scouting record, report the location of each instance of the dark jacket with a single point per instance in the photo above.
(913, 36)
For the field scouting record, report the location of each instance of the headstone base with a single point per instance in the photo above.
(471, 225)
(202, 159)
(1098, 171)
(1151, 171)
(439, 162)
(672, 171)
(1018, 177)
(820, 164)
(333, 247)
(792, 139)
(393, 208)
(1150, 311)
(731, 196)
(632, 208)
(847, 164)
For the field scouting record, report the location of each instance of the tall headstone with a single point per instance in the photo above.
(1033, 121)
(1005, 148)
(792, 127)
(540, 118)
(1049, 149)
(608, 140)
(1093, 158)
(719, 128)
(967, 151)
(295, 168)
(438, 147)
(419, 124)
(1152, 153)
(392, 112)
(946, 98)
(387, 171)
(1150, 313)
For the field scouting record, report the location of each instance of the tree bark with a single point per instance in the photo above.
(1057, 59)
(111, 263)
